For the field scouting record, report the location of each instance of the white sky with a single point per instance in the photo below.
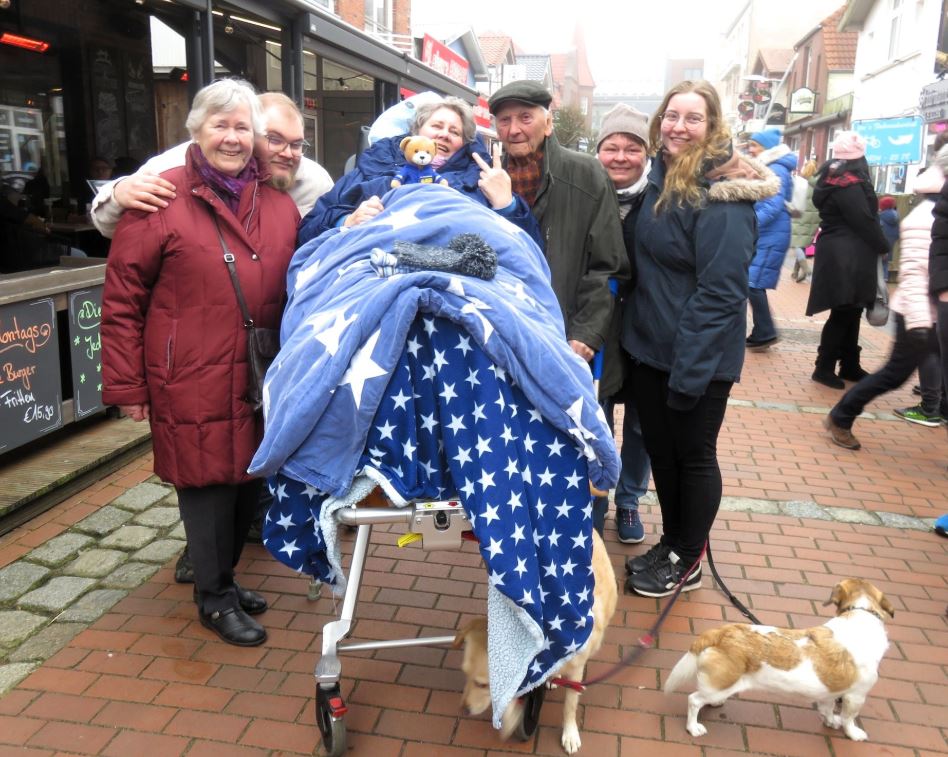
(627, 41)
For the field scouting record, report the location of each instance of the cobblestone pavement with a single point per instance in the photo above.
(101, 652)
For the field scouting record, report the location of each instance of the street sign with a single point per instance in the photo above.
(933, 101)
(891, 141)
(802, 100)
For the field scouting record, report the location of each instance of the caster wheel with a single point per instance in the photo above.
(329, 713)
(531, 714)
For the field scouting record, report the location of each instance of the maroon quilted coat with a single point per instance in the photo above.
(172, 333)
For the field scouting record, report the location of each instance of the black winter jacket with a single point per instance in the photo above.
(938, 252)
(851, 239)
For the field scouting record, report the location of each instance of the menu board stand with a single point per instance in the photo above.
(30, 388)
(85, 350)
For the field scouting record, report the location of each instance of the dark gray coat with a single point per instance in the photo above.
(579, 219)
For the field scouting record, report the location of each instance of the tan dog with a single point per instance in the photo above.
(838, 660)
(476, 696)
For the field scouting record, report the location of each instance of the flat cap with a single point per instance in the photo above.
(524, 90)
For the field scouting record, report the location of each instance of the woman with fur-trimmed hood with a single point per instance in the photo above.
(685, 320)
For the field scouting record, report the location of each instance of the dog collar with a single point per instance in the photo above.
(879, 615)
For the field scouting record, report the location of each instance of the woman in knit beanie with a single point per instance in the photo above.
(845, 266)
(889, 221)
(773, 235)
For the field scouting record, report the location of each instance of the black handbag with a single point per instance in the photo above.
(262, 344)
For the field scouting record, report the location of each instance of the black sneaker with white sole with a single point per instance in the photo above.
(661, 579)
(658, 553)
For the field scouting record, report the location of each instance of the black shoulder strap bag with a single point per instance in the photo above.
(262, 344)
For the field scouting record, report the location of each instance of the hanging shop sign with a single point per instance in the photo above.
(891, 141)
(761, 94)
(443, 59)
(746, 109)
(778, 114)
(933, 101)
(803, 101)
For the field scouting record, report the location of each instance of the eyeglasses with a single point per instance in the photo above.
(690, 119)
(278, 144)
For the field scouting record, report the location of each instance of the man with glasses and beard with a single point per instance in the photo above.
(280, 149)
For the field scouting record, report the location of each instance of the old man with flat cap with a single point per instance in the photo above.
(575, 204)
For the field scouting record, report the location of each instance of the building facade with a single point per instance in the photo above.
(896, 57)
(820, 88)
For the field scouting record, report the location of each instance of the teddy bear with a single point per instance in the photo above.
(419, 152)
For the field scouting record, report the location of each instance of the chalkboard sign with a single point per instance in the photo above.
(108, 109)
(30, 395)
(139, 105)
(85, 350)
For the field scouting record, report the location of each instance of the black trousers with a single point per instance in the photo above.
(216, 520)
(903, 361)
(839, 339)
(683, 448)
(943, 344)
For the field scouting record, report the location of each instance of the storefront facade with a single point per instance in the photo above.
(81, 100)
(77, 84)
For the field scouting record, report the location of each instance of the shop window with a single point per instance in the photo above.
(32, 134)
(274, 66)
(337, 77)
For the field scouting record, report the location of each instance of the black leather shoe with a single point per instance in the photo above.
(250, 602)
(234, 626)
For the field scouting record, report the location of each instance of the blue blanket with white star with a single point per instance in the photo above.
(451, 422)
(433, 384)
(345, 327)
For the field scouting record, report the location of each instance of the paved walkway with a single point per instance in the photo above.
(101, 653)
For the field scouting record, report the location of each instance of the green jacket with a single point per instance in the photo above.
(804, 227)
(578, 214)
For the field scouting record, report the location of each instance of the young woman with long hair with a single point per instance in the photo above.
(685, 321)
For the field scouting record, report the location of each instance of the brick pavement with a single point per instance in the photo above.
(147, 678)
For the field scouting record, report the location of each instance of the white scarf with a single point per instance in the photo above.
(626, 195)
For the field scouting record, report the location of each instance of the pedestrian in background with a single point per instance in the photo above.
(889, 221)
(773, 235)
(916, 343)
(623, 152)
(845, 268)
(803, 229)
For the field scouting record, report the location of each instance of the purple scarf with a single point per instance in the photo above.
(228, 188)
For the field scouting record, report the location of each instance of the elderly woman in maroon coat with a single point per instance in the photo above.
(174, 346)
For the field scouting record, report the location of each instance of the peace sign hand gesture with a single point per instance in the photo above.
(494, 181)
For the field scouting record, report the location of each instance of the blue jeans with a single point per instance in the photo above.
(633, 478)
(764, 329)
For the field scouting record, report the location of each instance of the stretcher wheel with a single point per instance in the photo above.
(329, 711)
(531, 714)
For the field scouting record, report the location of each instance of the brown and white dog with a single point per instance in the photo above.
(838, 660)
(476, 696)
